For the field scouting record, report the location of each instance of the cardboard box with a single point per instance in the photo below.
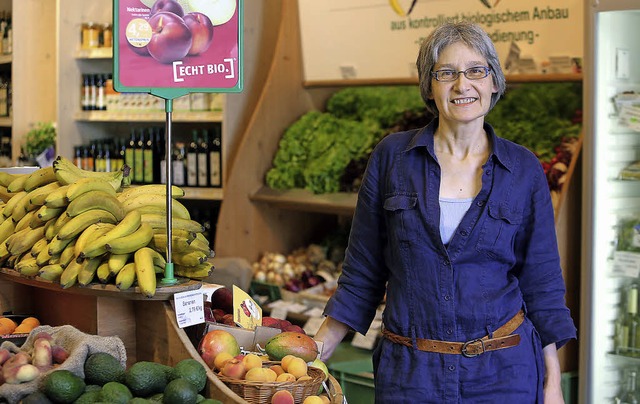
(247, 339)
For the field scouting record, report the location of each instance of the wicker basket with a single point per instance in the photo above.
(261, 392)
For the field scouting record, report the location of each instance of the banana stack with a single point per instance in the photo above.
(72, 226)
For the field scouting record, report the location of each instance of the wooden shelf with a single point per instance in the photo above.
(97, 53)
(5, 121)
(102, 290)
(204, 194)
(153, 116)
(516, 78)
(339, 203)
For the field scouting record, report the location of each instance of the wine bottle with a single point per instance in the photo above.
(215, 159)
(179, 165)
(203, 160)
(108, 155)
(149, 159)
(138, 156)
(629, 327)
(159, 153)
(192, 161)
(629, 394)
(78, 156)
(99, 163)
(129, 157)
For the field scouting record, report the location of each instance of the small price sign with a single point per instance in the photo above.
(189, 307)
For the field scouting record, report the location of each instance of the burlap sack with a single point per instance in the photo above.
(78, 344)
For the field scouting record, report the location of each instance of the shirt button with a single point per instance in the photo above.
(480, 203)
(449, 331)
(464, 233)
(488, 172)
(452, 368)
(446, 263)
(447, 297)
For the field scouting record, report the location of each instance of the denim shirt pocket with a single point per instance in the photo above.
(498, 232)
(402, 215)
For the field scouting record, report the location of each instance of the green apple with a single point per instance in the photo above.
(317, 363)
(218, 11)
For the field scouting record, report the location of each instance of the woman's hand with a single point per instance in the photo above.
(331, 332)
(552, 376)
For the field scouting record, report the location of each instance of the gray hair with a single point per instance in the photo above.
(470, 34)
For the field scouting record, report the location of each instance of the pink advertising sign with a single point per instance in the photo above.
(192, 45)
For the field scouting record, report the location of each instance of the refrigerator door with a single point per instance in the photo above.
(611, 67)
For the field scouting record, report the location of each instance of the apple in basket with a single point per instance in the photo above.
(215, 342)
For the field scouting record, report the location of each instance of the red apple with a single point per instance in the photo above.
(171, 38)
(201, 31)
(171, 6)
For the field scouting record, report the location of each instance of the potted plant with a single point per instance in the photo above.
(40, 139)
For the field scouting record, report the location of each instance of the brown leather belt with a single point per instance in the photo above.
(501, 338)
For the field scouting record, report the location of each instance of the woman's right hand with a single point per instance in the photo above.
(331, 333)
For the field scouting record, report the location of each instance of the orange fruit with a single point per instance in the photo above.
(7, 325)
(34, 322)
(23, 329)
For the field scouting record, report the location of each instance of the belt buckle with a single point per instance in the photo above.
(466, 345)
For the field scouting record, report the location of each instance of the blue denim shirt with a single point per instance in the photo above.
(503, 257)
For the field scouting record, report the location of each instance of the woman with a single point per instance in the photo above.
(456, 225)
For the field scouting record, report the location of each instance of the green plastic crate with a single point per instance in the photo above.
(356, 380)
(569, 384)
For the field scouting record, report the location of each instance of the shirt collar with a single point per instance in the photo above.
(424, 138)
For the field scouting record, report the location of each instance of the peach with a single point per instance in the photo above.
(234, 368)
(305, 377)
(286, 377)
(277, 368)
(252, 361)
(285, 361)
(325, 399)
(312, 400)
(282, 397)
(261, 375)
(297, 367)
(220, 359)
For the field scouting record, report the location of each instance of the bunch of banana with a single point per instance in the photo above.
(71, 226)
(68, 173)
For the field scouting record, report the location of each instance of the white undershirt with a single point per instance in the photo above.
(452, 210)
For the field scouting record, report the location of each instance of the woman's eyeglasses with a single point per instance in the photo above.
(472, 73)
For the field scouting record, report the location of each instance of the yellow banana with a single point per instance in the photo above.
(69, 276)
(145, 271)
(84, 185)
(145, 201)
(62, 219)
(17, 184)
(129, 224)
(201, 246)
(131, 242)
(20, 208)
(51, 272)
(78, 223)
(103, 273)
(39, 178)
(25, 239)
(160, 222)
(177, 210)
(4, 252)
(40, 245)
(198, 272)
(132, 192)
(189, 259)
(178, 244)
(43, 257)
(189, 235)
(6, 178)
(27, 266)
(88, 270)
(67, 173)
(26, 221)
(54, 260)
(95, 200)
(57, 245)
(90, 234)
(68, 253)
(57, 198)
(38, 195)
(117, 261)
(46, 213)
(11, 204)
(4, 194)
(6, 229)
(126, 277)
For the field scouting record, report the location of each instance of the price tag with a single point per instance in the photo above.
(189, 308)
(367, 341)
(279, 313)
(312, 325)
(626, 263)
